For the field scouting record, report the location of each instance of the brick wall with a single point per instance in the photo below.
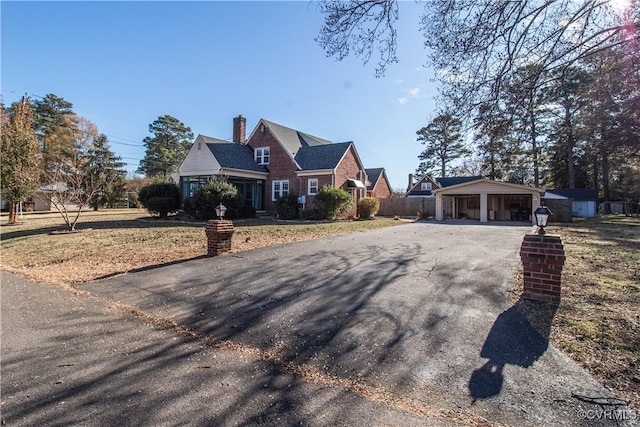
(350, 168)
(542, 261)
(281, 166)
(382, 189)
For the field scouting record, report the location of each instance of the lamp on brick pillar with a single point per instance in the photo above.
(219, 233)
(221, 210)
(542, 215)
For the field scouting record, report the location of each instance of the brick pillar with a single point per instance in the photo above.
(219, 233)
(542, 260)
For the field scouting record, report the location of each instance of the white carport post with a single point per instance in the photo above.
(438, 207)
(535, 202)
(483, 207)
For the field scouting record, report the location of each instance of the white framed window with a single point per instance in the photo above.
(279, 189)
(313, 187)
(425, 186)
(262, 155)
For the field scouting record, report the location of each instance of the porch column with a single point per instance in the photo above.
(438, 207)
(535, 202)
(483, 207)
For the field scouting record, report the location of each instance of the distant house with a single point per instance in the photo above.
(425, 186)
(584, 201)
(274, 161)
(378, 183)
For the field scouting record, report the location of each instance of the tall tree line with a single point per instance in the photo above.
(47, 147)
(547, 89)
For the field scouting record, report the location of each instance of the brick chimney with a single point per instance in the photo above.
(410, 181)
(239, 129)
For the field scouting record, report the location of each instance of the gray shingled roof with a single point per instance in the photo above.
(292, 139)
(373, 175)
(577, 194)
(455, 180)
(210, 140)
(234, 156)
(321, 156)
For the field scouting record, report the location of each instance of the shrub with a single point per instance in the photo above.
(332, 201)
(368, 207)
(160, 198)
(311, 214)
(287, 206)
(215, 191)
(162, 206)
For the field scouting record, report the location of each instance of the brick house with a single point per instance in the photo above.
(274, 161)
(378, 183)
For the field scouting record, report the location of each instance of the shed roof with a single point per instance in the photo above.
(577, 194)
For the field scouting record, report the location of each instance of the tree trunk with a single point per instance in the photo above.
(604, 153)
(570, 143)
(534, 151)
(13, 208)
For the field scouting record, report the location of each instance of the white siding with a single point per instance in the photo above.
(199, 161)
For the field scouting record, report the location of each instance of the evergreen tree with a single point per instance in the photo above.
(167, 148)
(20, 166)
(107, 172)
(443, 142)
(56, 126)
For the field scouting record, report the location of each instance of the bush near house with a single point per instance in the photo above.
(368, 207)
(217, 190)
(287, 207)
(160, 198)
(332, 201)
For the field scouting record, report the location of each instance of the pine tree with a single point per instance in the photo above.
(107, 173)
(444, 144)
(167, 148)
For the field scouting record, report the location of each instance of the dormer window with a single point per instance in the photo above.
(261, 155)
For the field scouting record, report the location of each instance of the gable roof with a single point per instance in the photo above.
(416, 190)
(292, 140)
(319, 157)
(373, 174)
(487, 185)
(577, 194)
(234, 156)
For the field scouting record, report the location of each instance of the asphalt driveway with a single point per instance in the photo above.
(414, 321)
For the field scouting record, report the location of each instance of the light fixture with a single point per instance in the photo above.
(542, 215)
(221, 210)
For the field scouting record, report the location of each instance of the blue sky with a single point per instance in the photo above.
(123, 64)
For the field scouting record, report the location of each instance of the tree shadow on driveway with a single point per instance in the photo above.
(512, 340)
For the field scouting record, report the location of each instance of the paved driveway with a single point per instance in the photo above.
(416, 319)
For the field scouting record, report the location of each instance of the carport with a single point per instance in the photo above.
(486, 200)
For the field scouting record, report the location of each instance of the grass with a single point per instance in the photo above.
(598, 320)
(597, 323)
(112, 243)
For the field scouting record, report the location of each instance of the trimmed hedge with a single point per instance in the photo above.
(160, 198)
(368, 207)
